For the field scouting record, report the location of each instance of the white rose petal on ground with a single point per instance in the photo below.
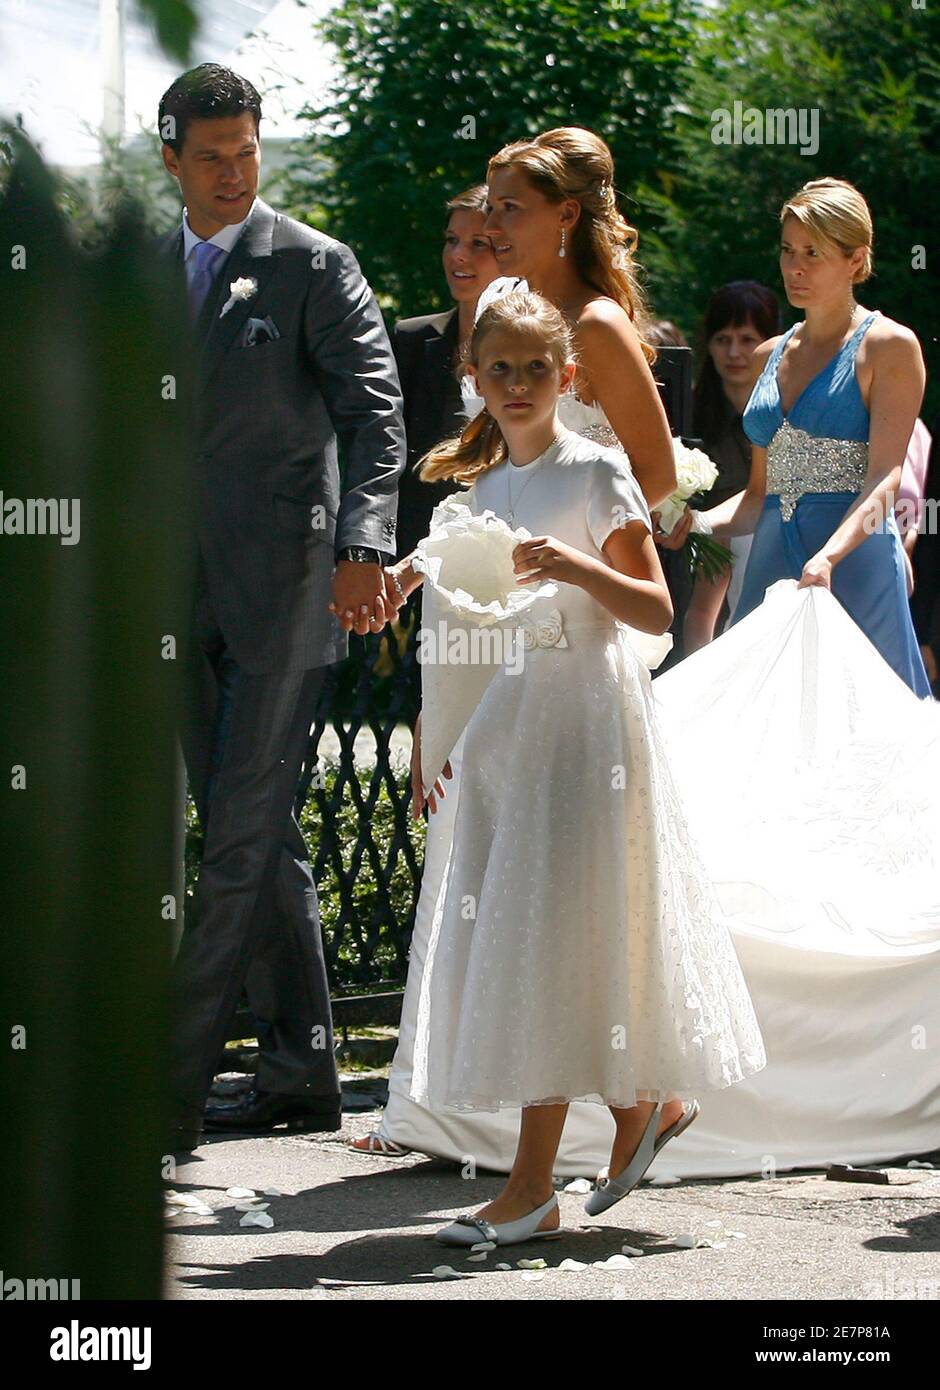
(572, 1266)
(240, 1192)
(257, 1218)
(481, 1256)
(630, 1250)
(533, 1275)
(614, 1262)
(502, 1266)
(531, 1264)
(700, 1240)
(445, 1272)
(273, 1192)
(254, 1205)
(483, 1245)
(579, 1185)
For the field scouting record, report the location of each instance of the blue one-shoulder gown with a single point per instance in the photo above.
(825, 439)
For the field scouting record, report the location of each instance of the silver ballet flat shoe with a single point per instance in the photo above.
(608, 1191)
(470, 1230)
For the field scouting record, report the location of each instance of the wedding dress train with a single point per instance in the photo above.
(820, 823)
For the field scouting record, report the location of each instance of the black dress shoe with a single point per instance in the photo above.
(265, 1109)
(185, 1133)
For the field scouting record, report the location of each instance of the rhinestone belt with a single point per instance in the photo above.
(798, 462)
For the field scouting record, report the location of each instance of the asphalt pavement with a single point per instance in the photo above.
(350, 1226)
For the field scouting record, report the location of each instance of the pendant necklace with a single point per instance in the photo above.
(510, 467)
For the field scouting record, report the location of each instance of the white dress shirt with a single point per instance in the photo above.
(225, 237)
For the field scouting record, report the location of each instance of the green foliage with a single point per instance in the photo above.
(871, 70)
(386, 147)
(130, 173)
(430, 89)
(175, 22)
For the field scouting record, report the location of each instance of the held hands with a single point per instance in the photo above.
(544, 557)
(365, 597)
(417, 786)
(818, 571)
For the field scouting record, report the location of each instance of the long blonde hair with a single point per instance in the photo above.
(571, 162)
(834, 212)
(481, 445)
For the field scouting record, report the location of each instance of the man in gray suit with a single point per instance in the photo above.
(293, 358)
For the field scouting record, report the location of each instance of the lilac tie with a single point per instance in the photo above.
(207, 257)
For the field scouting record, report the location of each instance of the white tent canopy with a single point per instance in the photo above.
(60, 64)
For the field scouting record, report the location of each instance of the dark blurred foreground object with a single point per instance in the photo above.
(96, 460)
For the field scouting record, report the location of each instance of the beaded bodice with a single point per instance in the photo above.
(587, 420)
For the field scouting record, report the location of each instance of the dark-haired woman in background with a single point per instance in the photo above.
(739, 317)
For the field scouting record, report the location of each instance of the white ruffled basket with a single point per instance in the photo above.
(468, 560)
(469, 582)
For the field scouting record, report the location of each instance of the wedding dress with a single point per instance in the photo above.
(819, 821)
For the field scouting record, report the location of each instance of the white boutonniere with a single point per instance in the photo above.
(245, 288)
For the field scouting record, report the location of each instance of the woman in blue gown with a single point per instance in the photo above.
(830, 418)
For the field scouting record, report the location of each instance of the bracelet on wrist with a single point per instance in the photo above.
(397, 583)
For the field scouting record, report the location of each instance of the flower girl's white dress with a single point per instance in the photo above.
(577, 949)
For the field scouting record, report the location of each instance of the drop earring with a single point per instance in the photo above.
(564, 236)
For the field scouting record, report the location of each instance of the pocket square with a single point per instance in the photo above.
(258, 331)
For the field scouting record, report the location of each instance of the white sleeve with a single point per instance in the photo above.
(614, 498)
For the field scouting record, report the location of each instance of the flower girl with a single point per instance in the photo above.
(578, 951)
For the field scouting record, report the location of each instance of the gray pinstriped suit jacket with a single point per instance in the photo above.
(272, 508)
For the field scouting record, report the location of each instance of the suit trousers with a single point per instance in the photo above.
(256, 921)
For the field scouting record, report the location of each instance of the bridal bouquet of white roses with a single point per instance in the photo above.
(695, 473)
